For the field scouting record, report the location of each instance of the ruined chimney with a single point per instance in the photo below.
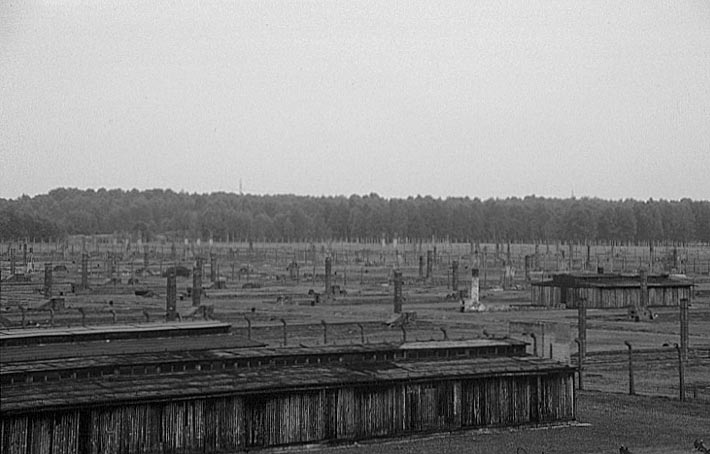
(472, 302)
(48, 280)
(213, 268)
(171, 296)
(328, 269)
(473, 295)
(455, 276)
(397, 292)
(429, 263)
(197, 282)
(84, 271)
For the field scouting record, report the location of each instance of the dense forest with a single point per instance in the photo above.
(235, 217)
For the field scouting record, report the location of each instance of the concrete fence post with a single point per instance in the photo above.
(248, 327)
(362, 333)
(580, 366)
(285, 335)
(632, 389)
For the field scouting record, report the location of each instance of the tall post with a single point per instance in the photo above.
(397, 292)
(643, 297)
(681, 374)
(213, 268)
(455, 276)
(632, 389)
(684, 329)
(285, 334)
(314, 264)
(84, 271)
(48, 280)
(536, 262)
(197, 282)
(12, 261)
(485, 270)
(582, 336)
(429, 263)
(171, 296)
(509, 265)
(328, 270)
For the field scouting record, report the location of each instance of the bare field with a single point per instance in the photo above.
(264, 293)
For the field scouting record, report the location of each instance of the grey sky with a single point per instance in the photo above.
(480, 98)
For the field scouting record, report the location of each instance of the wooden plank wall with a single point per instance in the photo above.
(238, 423)
(609, 298)
(42, 433)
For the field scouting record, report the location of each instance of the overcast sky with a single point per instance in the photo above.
(495, 98)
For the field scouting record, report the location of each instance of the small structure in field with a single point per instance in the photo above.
(610, 290)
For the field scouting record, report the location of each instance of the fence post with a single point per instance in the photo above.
(284, 332)
(681, 373)
(579, 365)
(632, 390)
(248, 327)
(681, 370)
(362, 333)
(83, 316)
(581, 335)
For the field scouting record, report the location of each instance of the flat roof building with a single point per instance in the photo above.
(609, 291)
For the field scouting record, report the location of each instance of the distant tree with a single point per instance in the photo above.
(225, 216)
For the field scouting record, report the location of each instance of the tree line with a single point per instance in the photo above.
(234, 217)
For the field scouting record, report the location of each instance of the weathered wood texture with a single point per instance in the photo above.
(241, 422)
(607, 297)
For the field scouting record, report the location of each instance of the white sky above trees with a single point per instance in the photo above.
(495, 98)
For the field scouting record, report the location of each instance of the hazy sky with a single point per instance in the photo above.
(481, 98)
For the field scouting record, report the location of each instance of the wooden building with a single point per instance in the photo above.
(609, 291)
(240, 397)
